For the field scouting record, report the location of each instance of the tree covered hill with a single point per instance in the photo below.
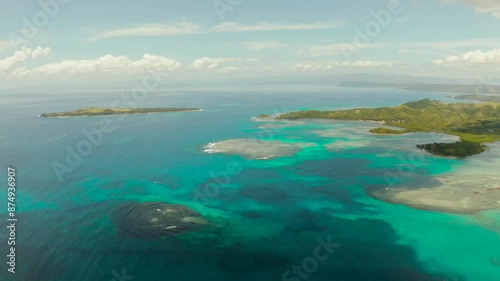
(475, 124)
(478, 123)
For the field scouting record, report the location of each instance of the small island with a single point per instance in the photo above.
(388, 131)
(264, 116)
(456, 149)
(475, 124)
(98, 111)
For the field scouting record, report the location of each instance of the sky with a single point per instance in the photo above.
(78, 41)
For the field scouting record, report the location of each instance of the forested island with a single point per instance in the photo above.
(388, 131)
(97, 111)
(457, 149)
(475, 124)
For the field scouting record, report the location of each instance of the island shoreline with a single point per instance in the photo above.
(111, 114)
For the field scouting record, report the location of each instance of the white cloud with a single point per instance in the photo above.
(474, 57)
(335, 49)
(407, 47)
(337, 64)
(413, 52)
(107, 64)
(11, 61)
(268, 26)
(151, 30)
(207, 63)
(22, 55)
(262, 45)
(40, 52)
(233, 69)
(184, 28)
(366, 64)
(308, 67)
(482, 6)
(480, 42)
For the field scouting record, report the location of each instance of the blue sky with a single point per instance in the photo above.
(78, 40)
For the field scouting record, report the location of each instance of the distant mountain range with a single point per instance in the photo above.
(472, 91)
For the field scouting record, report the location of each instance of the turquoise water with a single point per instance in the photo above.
(268, 216)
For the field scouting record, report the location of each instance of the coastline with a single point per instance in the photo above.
(277, 118)
(115, 114)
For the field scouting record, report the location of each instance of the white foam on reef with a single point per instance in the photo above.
(261, 119)
(256, 149)
(210, 148)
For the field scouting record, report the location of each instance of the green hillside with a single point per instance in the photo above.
(473, 123)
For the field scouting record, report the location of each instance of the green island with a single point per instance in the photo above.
(98, 111)
(475, 124)
(460, 149)
(388, 131)
(264, 116)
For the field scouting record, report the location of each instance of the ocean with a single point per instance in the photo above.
(112, 212)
